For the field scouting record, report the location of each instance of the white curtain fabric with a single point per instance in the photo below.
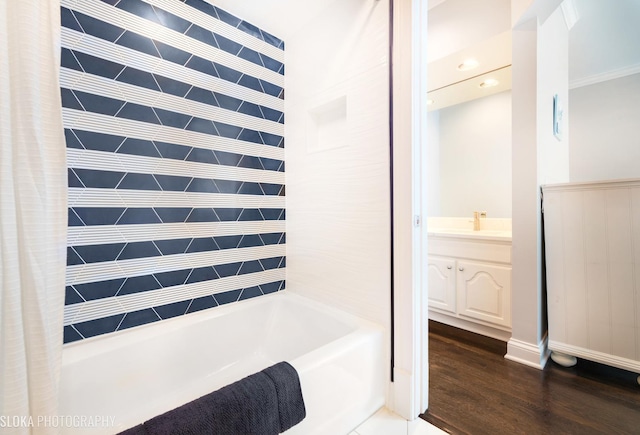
(33, 214)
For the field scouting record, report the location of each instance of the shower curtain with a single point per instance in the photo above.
(33, 215)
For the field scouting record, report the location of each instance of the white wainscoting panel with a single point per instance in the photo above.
(592, 240)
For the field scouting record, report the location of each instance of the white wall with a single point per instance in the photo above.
(605, 139)
(337, 157)
(525, 277)
(475, 157)
(433, 164)
(604, 40)
(540, 70)
(553, 79)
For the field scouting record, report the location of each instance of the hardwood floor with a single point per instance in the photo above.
(474, 390)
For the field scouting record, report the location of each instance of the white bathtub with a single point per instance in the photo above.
(134, 375)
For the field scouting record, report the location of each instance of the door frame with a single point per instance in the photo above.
(410, 388)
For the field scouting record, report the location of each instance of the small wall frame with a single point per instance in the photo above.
(557, 117)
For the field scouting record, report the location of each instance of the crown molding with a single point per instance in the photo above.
(603, 77)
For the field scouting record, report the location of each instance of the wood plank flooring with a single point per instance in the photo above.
(474, 390)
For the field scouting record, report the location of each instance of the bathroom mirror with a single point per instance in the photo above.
(469, 82)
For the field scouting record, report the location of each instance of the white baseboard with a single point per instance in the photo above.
(532, 355)
(403, 397)
(599, 357)
(477, 328)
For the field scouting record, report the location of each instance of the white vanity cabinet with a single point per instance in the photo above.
(442, 283)
(470, 282)
(484, 292)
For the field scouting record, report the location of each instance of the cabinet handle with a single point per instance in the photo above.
(449, 267)
(461, 269)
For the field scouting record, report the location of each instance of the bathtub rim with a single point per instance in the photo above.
(93, 346)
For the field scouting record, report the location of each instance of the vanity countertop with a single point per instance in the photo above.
(495, 235)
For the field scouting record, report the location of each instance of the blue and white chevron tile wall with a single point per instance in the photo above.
(173, 115)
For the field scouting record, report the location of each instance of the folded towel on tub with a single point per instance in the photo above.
(291, 408)
(265, 403)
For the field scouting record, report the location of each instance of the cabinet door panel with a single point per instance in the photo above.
(484, 292)
(442, 283)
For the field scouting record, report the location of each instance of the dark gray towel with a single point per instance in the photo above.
(265, 403)
(290, 403)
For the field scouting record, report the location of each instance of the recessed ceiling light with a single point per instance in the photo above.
(489, 83)
(468, 65)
